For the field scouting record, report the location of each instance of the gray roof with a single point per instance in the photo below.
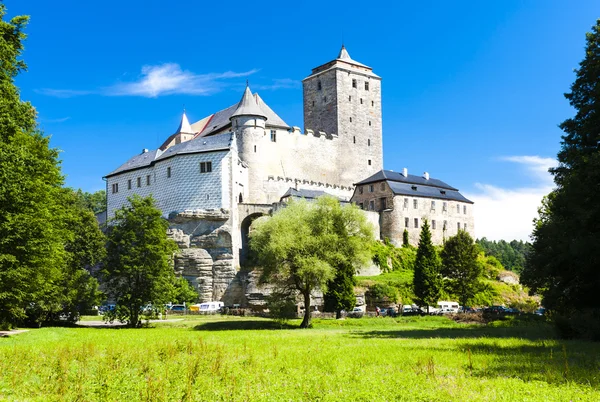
(303, 193)
(272, 118)
(248, 106)
(390, 175)
(345, 56)
(197, 145)
(426, 191)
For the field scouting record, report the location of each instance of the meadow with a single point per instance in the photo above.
(252, 359)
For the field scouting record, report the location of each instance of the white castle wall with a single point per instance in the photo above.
(186, 189)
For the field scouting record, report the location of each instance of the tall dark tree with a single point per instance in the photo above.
(461, 268)
(427, 281)
(340, 291)
(138, 269)
(564, 263)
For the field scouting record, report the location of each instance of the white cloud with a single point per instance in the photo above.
(508, 213)
(59, 120)
(158, 80)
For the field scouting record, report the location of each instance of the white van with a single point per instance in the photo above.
(448, 307)
(208, 307)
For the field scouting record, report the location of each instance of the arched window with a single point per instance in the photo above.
(241, 199)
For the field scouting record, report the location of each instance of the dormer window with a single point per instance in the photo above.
(414, 188)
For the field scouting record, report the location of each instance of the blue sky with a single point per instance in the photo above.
(472, 91)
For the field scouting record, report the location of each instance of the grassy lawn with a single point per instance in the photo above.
(243, 359)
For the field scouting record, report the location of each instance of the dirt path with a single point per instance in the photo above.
(11, 333)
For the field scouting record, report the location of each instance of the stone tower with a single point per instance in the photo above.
(343, 98)
(248, 123)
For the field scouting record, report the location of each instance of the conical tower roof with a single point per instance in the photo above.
(184, 126)
(344, 54)
(248, 106)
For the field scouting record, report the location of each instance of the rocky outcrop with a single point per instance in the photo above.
(196, 265)
(508, 277)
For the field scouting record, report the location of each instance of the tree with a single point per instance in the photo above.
(138, 269)
(427, 281)
(95, 202)
(32, 236)
(183, 292)
(461, 268)
(563, 264)
(405, 241)
(340, 290)
(303, 246)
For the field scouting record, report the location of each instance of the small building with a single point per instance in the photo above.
(405, 201)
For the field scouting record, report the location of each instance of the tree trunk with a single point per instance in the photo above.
(338, 314)
(307, 311)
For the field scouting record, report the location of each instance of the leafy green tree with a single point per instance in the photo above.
(427, 281)
(405, 241)
(32, 255)
(563, 264)
(183, 292)
(138, 269)
(302, 246)
(461, 267)
(96, 202)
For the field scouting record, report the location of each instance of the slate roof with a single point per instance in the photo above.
(248, 106)
(197, 145)
(222, 119)
(345, 56)
(426, 191)
(416, 186)
(399, 177)
(303, 193)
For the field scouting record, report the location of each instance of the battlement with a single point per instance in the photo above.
(314, 183)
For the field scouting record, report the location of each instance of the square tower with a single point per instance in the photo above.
(343, 97)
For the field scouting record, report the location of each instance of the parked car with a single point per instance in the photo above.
(177, 307)
(540, 311)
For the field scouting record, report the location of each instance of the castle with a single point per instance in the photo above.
(212, 178)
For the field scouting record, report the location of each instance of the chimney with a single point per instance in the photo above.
(426, 176)
(405, 172)
(144, 150)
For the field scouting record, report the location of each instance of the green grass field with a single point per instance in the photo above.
(251, 359)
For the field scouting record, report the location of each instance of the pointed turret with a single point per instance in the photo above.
(248, 106)
(184, 126)
(344, 54)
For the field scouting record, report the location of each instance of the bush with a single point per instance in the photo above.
(381, 292)
(282, 307)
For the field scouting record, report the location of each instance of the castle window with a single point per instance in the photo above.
(205, 167)
(361, 205)
(273, 136)
(369, 122)
(433, 224)
(354, 139)
(354, 83)
(369, 142)
(313, 103)
(382, 186)
(324, 99)
(371, 205)
(169, 171)
(382, 203)
(372, 103)
(415, 204)
(255, 148)
(254, 123)
(445, 225)
(406, 203)
(465, 225)
(139, 182)
(406, 221)
(360, 190)
(416, 223)
(129, 184)
(319, 85)
(148, 180)
(444, 206)
(115, 188)
(433, 205)
(350, 119)
(371, 188)
(457, 209)
(350, 98)
(369, 162)
(465, 209)
(240, 199)
(361, 101)
(458, 225)
(366, 85)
